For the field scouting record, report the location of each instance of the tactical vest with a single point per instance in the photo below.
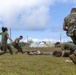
(71, 24)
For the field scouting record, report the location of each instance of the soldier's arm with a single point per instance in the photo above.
(17, 40)
(63, 49)
(62, 53)
(9, 38)
(65, 27)
(7, 35)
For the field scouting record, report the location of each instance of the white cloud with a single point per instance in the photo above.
(26, 14)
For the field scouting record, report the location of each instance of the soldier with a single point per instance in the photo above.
(37, 52)
(16, 44)
(28, 51)
(58, 53)
(73, 57)
(68, 46)
(5, 37)
(69, 25)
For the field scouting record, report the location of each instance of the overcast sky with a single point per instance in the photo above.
(37, 19)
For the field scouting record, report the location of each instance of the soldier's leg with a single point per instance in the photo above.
(71, 50)
(1, 48)
(1, 51)
(16, 46)
(45, 53)
(10, 49)
(27, 51)
(19, 49)
(73, 39)
(4, 47)
(73, 57)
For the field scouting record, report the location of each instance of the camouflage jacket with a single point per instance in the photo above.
(70, 21)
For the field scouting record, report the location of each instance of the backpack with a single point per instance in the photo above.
(71, 24)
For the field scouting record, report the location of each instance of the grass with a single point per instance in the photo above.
(23, 64)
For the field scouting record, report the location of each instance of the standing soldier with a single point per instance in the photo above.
(5, 37)
(69, 25)
(16, 44)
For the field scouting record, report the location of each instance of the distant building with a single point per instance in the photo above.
(42, 44)
(29, 41)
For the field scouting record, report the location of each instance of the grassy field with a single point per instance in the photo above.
(23, 64)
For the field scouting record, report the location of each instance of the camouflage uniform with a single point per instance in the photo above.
(45, 53)
(68, 46)
(17, 46)
(70, 21)
(4, 44)
(28, 51)
(38, 53)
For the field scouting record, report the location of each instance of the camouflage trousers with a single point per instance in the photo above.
(73, 39)
(45, 53)
(74, 52)
(41, 53)
(4, 48)
(19, 49)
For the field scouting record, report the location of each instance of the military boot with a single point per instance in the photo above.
(73, 58)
